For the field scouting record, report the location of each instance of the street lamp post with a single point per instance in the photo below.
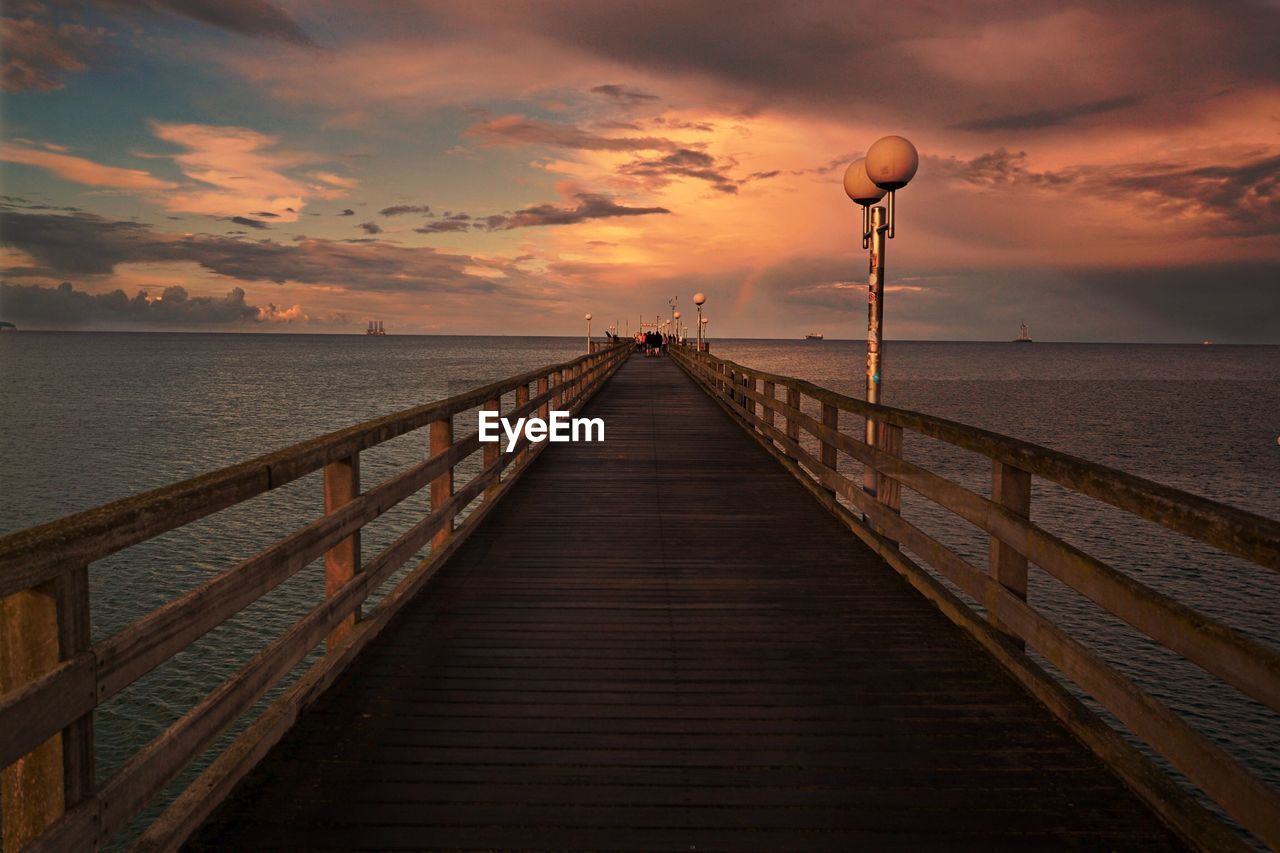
(676, 315)
(699, 299)
(890, 164)
(588, 334)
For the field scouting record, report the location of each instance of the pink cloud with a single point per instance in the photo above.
(80, 170)
(237, 170)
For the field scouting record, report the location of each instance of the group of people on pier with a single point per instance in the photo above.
(652, 343)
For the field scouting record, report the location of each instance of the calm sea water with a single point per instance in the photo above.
(87, 418)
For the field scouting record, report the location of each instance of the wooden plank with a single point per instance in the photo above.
(342, 561)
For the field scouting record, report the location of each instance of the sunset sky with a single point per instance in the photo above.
(1103, 171)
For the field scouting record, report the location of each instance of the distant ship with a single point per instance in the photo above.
(375, 328)
(1023, 337)
(7, 326)
(813, 336)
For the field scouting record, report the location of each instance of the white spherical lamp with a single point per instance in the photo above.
(588, 317)
(677, 315)
(699, 298)
(891, 162)
(859, 186)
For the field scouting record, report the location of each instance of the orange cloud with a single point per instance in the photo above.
(79, 170)
(238, 170)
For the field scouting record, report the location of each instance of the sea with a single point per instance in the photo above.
(87, 418)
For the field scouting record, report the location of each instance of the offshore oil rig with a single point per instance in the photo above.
(375, 328)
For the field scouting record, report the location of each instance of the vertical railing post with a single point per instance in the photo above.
(40, 627)
(492, 452)
(543, 387)
(889, 490)
(342, 561)
(74, 637)
(793, 425)
(830, 420)
(557, 399)
(442, 486)
(768, 409)
(522, 398)
(1011, 488)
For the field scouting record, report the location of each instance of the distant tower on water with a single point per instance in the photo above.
(375, 328)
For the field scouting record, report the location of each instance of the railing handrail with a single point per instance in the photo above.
(57, 676)
(1237, 531)
(1251, 666)
(34, 555)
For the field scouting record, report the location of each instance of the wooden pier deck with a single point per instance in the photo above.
(663, 642)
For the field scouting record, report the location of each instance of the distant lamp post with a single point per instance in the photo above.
(676, 315)
(588, 334)
(699, 299)
(890, 164)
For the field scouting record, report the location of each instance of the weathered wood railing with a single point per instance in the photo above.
(1251, 667)
(52, 676)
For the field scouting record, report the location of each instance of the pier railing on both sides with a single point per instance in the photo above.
(771, 408)
(53, 675)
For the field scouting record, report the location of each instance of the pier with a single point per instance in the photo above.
(700, 633)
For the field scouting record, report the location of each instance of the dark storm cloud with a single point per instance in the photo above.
(402, 209)
(1051, 117)
(589, 206)
(65, 306)
(254, 18)
(83, 244)
(951, 62)
(371, 227)
(683, 163)
(451, 222)
(248, 223)
(624, 94)
(518, 130)
(347, 212)
(1243, 199)
(37, 54)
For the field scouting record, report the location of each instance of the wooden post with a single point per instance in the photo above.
(830, 420)
(889, 490)
(557, 399)
(1011, 488)
(342, 561)
(74, 637)
(543, 387)
(522, 398)
(793, 425)
(492, 452)
(32, 789)
(442, 486)
(772, 395)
